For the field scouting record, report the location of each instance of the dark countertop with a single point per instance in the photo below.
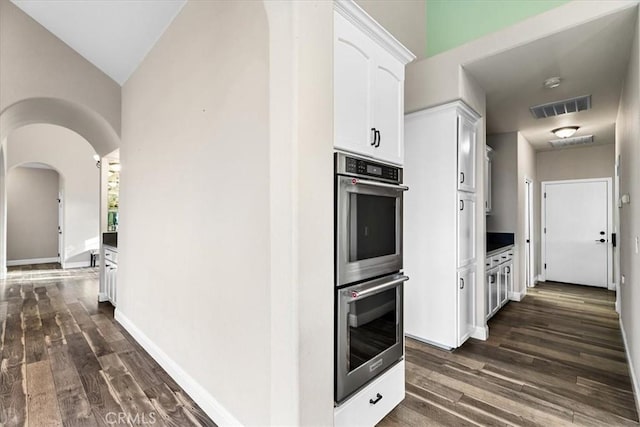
(495, 246)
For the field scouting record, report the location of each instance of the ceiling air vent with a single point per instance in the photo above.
(569, 142)
(552, 109)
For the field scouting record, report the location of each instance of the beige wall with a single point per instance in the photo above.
(576, 163)
(32, 214)
(571, 163)
(406, 20)
(226, 163)
(504, 189)
(3, 210)
(526, 170)
(72, 156)
(627, 146)
(194, 201)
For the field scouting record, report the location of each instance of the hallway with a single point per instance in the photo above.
(65, 360)
(555, 358)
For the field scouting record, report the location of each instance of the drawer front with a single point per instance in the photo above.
(495, 260)
(359, 411)
(110, 255)
(510, 254)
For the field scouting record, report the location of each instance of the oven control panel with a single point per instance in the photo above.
(356, 166)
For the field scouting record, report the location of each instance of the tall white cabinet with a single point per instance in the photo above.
(440, 224)
(369, 121)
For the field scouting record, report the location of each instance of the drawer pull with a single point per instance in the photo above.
(378, 397)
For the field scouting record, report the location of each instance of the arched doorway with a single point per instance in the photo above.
(72, 116)
(34, 193)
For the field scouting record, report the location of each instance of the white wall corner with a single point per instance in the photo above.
(480, 333)
(634, 379)
(517, 296)
(102, 297)
(77, 264)
(202, 397)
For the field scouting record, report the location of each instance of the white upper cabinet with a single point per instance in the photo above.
(368, 86)
(352, 86)
(466, 154)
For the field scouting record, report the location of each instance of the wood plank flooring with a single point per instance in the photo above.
(555, 358)
(65, 361)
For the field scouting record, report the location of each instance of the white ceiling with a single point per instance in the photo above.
(590, 58)
(114, 35)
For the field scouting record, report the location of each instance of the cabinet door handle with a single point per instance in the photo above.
(461, 177)
(508, 270)
(461, 205)
(373, 136)
(378, 397)
(379, 138)
(462, 283)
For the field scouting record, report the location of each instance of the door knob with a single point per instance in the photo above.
(601, 240)
(602, 233)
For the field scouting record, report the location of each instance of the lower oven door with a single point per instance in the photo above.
(369, 331)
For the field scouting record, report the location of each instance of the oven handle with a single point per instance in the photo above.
(376, 289)
(379, 184)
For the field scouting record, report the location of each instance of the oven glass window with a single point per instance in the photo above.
(372, 226)
(372, 327)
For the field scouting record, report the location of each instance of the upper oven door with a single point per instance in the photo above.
(369, 229)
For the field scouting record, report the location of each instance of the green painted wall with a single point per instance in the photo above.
(451, 23)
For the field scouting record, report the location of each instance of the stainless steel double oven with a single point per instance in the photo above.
(368, 271)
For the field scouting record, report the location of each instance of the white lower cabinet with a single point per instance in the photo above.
(499, 280)
(371, 404)
(110, 275)
(466, 303)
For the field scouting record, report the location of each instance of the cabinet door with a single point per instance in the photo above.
(487, 182)
(466, 155)
(506, 282)
(493, 286)
(466, 229)
(352, 85)
(466, 303)
(388, 107)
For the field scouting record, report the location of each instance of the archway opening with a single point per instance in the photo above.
(34, 193)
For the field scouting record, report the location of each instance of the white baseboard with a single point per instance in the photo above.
(102, 297)
(3, 272)
(207, 402)
(517, 296)
(539, 278)
(480, 333)
(15, 262)
(77, 264)
(634, 379)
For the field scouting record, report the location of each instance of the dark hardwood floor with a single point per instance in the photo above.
(555, 358)
(65, 361)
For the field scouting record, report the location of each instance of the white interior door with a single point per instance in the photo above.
(576, 234)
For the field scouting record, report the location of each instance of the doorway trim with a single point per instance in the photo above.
(530, 266)
(543, 236)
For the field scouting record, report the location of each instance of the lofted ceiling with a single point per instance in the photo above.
(113, 35)
(590, 59)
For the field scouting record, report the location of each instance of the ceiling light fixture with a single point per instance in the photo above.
(96, 158)
(552, 82)
(565, 132)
